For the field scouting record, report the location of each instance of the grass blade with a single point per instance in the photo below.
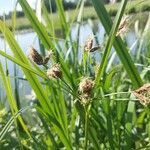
(120, 48)
(10, 122)
(111, 40)
(62, 16)
(20, 63)
(11, 100)
(33, 80)
(37, 26)
(57, 127)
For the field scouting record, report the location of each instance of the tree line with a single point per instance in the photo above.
(51, 6)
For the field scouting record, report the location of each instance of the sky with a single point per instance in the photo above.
(8, 5)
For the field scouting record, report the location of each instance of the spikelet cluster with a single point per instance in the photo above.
(54, 72)
(123, 26)
(85, 89)
(37, 58)
(143, 94)
(88, 47)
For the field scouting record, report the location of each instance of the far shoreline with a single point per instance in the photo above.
(137, 16)
(136, 7)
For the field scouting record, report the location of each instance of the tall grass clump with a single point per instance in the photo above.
(79, 103)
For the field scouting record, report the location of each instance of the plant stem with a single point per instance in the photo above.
(87, 109)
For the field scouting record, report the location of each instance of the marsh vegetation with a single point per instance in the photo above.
(82, 90)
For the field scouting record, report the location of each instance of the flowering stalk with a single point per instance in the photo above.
(87, 110)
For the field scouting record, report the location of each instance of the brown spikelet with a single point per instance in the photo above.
(143, 94)
(54, 72)
(86, 85)
(35, 56)
(46, 59)
(95, 48)
(88, 44)
(123, 25)
(85, 89)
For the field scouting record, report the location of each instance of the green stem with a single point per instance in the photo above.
(87, 109)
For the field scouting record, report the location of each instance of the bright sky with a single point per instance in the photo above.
(8, 5)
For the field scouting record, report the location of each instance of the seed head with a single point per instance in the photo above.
(86, 85)
(35, 56)
(143, 94)
(93, 49)
(123, 25)
(54, 72)
(46, 59)
(88, 44)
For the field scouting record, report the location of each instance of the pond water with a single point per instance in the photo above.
(30, 38)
